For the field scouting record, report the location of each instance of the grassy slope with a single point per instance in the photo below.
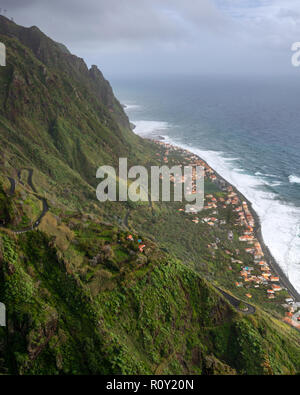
(80, 298)
(127, 313)
(53, 113)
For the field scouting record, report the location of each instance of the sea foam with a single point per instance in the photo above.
(280, 221)
(148, 128)
(129, 107)
(294, 179)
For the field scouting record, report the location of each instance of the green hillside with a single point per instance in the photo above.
(58, 116)
(103, 307)
(82, 296)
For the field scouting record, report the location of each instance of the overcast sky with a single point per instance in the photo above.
(170, 36)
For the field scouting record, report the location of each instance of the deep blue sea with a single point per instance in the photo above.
(247, 129)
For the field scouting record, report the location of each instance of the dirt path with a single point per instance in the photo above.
(126, 218)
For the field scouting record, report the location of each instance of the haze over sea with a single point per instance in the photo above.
(246, 129)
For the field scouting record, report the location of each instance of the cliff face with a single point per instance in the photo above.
(56, 56)
(52, 104)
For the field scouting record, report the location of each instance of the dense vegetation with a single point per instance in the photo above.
(81, 296)
(104, 307)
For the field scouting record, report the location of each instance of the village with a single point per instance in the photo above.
(259, 274)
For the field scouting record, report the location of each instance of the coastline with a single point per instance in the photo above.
(258, 233)
(284, 280)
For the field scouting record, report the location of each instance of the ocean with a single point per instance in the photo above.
(247, 129)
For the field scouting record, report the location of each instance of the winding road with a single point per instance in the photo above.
(236, 302)
(29, 180)
(126, 219)
(43, 200)
(12, 186)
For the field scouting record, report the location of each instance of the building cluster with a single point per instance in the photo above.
(260, 274)
(193, 160)
(141, 246)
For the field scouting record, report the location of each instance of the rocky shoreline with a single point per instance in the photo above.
(257, 225)
(268, 255)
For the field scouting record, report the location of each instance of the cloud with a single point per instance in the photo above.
(117, 20)
(189, 35)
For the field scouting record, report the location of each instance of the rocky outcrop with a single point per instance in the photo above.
(54, 55)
